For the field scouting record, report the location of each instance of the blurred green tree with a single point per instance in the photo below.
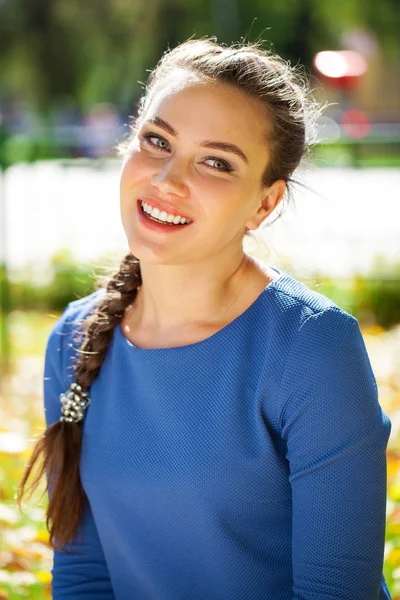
(93, 52)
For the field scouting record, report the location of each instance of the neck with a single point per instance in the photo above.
(179, 296)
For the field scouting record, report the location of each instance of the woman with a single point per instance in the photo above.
(230, 444)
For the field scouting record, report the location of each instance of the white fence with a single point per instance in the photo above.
(353, 216)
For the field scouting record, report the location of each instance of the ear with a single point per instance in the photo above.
(270, 198)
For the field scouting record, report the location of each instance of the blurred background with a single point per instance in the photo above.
(71, 73)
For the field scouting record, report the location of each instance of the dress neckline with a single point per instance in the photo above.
(212, 338)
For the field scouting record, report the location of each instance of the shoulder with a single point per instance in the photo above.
(296, 308)
(307, 330)
(295, 327)
(75, 312)
(79, 309)
(64, 335)
(309, 348)
(60, 352)
(325, 360)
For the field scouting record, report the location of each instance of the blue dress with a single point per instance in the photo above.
(247, 466)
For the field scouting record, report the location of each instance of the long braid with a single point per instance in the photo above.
(98, 327)
(58, 449)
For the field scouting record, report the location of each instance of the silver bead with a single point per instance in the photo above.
(74, 402)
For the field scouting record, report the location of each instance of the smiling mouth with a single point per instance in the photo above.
(160, 221)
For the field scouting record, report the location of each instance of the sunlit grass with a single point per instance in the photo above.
(25, 554)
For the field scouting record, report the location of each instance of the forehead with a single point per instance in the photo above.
(212, 110)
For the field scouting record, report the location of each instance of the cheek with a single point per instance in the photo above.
(215, 192)
(220, 196)
(134, 169)
(129, 182)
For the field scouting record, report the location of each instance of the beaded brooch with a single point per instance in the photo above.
(74, 403)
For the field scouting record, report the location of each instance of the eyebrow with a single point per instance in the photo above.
(224, 146)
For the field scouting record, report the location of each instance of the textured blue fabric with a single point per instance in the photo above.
(248, 466)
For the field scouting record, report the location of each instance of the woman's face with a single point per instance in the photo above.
(199, 153)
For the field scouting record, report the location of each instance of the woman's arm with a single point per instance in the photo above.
(81, 574)
(336, 434)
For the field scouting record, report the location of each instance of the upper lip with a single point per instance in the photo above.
(161, 205)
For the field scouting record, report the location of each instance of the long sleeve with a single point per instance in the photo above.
(336, 435)
(82, 573)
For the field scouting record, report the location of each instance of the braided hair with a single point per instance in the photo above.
(57, 451)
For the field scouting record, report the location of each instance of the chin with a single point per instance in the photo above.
(146, 253)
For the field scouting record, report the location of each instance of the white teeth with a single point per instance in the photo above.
(163, 215)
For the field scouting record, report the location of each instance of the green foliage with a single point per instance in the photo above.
(70, 280)
(89, 52)
(95, 52)
(380, 299)
(372, 300)
(379, 295)
(365, 153)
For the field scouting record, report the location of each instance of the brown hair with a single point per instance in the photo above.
(290, 119)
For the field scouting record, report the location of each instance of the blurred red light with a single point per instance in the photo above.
(340, 68)
(355, 124)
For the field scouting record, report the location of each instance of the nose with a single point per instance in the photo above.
(170, 178)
